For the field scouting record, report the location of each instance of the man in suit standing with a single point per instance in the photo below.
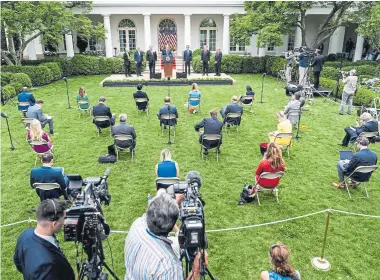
(368, 125)
(167, 50)
(187, 58)
(127, 63)
(318, 62)
(123, 129)
(102, 110)
(38, 255)
(210, 126)
(151, 57)
(35, 112)
(48, 174)
(167, 109)
(205, 58)
(218, 61)
(25, 96)
(141, 94)
(234, 107)
(139, 57)
(365, 157)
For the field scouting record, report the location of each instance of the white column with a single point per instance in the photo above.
(69, 45)
(226, 34)
(147, 31)
(298, 38)
(187, 30)
(30, 51)
(108, 41)
(262, 51)
(359, 48)
(337, 40)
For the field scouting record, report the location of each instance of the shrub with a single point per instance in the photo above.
(118, 65)
(230, 64)
(66, 66)
(17, 86)
(365, 70)
(55, 70)
(39, 75)
(106, 65)
(197, 52)
(85, 65)
(268, 64)
(20, 78)
(6, 78)
(329, 72)
(331, 57)
(247, 64)
(8, 91)
(278, 65)
(336, 64)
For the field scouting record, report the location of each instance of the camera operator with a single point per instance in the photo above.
(349, 90)
(38, 255)
(303, 63)
(289, 56)
(317, 64)
(148, 252)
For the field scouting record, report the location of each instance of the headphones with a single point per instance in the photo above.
(55, 217)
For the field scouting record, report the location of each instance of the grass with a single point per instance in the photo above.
(352, 245)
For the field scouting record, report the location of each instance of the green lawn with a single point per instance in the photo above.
(353, 242)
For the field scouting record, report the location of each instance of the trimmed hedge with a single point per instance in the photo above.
(85, 65)
(6, 78)
(9, 91)
(39, 75)
(350, 63)
(55, 70)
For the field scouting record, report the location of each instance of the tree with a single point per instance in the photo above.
(24, 21)
(270, 20)
(369, 25)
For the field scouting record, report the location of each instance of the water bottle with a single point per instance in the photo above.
(149, 199)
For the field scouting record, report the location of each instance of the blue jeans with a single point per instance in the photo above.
(341, 166)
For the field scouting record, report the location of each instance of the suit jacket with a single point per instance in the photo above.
(35, 112)
(164, 52)
(123, 129)
(165, 110)
(38, 259)
(371, 126)
(210, 125)
(47, 174)
(138, 58)
(187, 55)
(292, 105)
(127, 58)
(218, 57)
(151, 56)
(141, 94)
(233, 108)
(364, 157)
(101, 110)
(319, 60)
(205, 57)
(25, 97)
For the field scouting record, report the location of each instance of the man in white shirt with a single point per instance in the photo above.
(350, 84)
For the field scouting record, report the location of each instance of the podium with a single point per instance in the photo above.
(168, 65)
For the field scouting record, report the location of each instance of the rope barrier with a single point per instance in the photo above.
(355, 214)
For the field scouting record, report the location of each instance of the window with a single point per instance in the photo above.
(207, 34)
(167, 34)
(92, 44)
(270, 47)
(291, 40)
(232, 45)
(240, 46)
(127, 35)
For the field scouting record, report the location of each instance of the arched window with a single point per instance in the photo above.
(127, 35)
(167, 34)
(207, 34)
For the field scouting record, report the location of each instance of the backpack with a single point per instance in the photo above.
(245, 194)
(107, 159)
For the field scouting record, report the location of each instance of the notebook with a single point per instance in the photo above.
(345, 155)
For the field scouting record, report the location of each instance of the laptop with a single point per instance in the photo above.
(343, 155)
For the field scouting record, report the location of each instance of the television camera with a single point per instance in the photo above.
(86, 224)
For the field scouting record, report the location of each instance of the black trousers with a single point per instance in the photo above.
(316, 79)
(152, 67)
(218, 66)
(187, 67)
(350, 136)
(205, 67)
(127, 68)
(138, 68)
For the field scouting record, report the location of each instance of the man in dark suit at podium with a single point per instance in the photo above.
(205, 58)
(218, 61)
(167, 50)
(187, 58)
(127, 63)
(139, 57)
(151, 57)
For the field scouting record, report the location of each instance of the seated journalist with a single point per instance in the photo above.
(48, 174)
(234, 107)
(294, 104)
(367, 125)
(166, 168)
(365, 157)
(165, 110)
(35, 112)
(25, 96)
(210, 126)
(148, 253)
(35, 133)
(141, 94)
(38, 255)
(249, 92)
(101, 110)
(123, 129)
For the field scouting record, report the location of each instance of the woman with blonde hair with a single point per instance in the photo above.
(167, 168)
(193, 93)
(282, 270)
(284, 126)
(36, 133)
(82, 96)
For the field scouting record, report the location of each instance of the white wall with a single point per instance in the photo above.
(312, 24)
(195, 26)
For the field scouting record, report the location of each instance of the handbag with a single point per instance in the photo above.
(107, 159)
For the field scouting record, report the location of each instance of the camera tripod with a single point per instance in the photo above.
(189, 260)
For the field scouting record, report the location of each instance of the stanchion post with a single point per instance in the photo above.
(321, 263)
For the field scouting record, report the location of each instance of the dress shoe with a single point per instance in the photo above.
(338, 185)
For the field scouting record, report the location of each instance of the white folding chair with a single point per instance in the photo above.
(248, 98)
(229, 121)
(282, 76)
(375, 110)
(268, 175)
(371, 138)
(141, 100)
(166, 181)
(46, 187)
(211, 137)
(168, 117)
(294, 115)
(287, 136)
(120, 149)
(102, 119)
(359, 169)
(84, 102)
(43, 142)
(23, 104)
(194, 99)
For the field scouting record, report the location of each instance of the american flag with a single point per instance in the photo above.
(167, 35)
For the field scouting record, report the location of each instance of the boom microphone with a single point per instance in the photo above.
(3, 115)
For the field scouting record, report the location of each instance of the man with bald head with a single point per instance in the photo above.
(123, 129)
(234, 107)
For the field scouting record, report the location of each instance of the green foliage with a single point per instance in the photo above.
(21, 78)
(106, 65)
(350, 63)
(369, 25)
(6, 78)
(55, 70)
(268, 64)
(231, 64)
(39, 75)
(278, 64)
(17, 86)
(197, 52)
(9, 91)
(85, 65)
(373, 71)
(330, 73)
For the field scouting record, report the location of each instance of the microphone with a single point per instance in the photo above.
(65, 79)
(264, 74)
(3, 115)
